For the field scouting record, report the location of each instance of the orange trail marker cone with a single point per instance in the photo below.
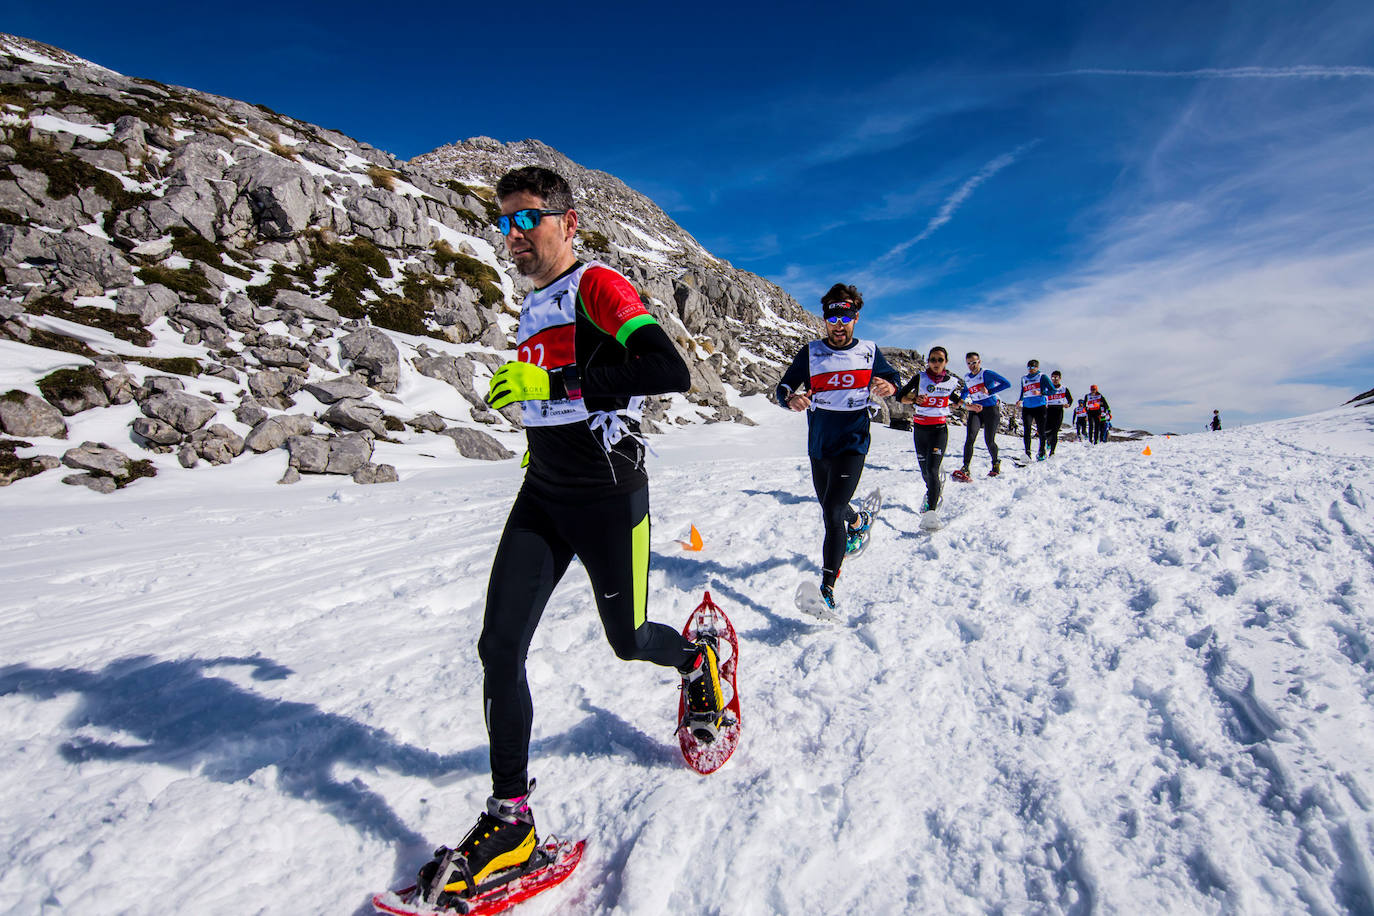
(696, 543)
(1147, 451)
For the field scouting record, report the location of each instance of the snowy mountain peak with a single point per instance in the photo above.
(191, 279)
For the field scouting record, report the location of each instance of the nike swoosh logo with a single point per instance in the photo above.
(610, 594)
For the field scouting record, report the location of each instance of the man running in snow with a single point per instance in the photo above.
(587, 353)
(981, 386)
(1080, 420)
(1035, 388)
(1059, 398)
(1095, 404)
(1216, 421)
(834, 379)
(934, 391)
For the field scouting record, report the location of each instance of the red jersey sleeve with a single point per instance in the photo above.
(612, 304)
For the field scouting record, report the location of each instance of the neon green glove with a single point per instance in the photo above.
(518, 382)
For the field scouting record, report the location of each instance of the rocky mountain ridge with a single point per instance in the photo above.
(225, 279)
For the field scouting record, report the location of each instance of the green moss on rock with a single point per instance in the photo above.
(124, 327)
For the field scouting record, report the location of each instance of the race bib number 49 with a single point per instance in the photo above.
(841, 381)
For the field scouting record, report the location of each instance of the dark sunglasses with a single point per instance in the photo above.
(840, 319)
(525, 220)
(935, 359)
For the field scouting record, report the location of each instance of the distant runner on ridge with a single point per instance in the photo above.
(1095, 404)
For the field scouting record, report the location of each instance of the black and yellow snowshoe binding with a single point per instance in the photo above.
(500, 848)
(705, 715)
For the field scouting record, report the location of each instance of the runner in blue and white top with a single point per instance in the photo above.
(1096, 404)
(1060, 397)
(834, 380)
(1035, 392)
(984, 411)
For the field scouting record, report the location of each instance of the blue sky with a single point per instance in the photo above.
(1172, 200)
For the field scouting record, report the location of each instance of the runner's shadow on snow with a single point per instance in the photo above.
(785, 497)
(693, 572)
(180, 714)
(690, 574)
(604, 734)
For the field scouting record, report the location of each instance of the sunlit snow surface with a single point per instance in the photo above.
(1115, 682)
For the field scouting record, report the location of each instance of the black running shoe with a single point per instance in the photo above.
(503, 838)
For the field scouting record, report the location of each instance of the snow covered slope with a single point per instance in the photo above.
(1115, 683)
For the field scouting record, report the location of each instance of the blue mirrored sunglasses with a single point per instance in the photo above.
(524, 220)
(840, 319)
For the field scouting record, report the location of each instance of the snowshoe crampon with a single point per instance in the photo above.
(708, 741)
(550, 864)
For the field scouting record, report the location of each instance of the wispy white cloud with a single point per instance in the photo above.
(1171, 339)
(1268, 73)
(1230, 266)
(956, 200)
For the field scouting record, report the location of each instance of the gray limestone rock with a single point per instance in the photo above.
(282, 194)
(457, 372)
(249, 413)
(375, 473)
(374, 353)
(97, 482)
(267, 384)
(337, 389)
(291, 476)
(119, 384)
(27, 467)
(274, 431)
(217, 444)
(341, 455)
(355, 416)
(149, 302)
(24, 414)
(81, 256)
(280, 357)
(290, 300)
(203, 316)
(155, 432)
(81, 392)
(428, 422)
(183, 410)
(98, 458)
(159, 384)
(473, 443)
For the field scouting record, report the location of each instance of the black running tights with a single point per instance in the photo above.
(930, 451)
(1054, 418)
(1036, 415)
(542, 535)
(835, 480)
(987, 419)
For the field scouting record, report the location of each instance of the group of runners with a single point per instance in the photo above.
(588, 352)
(835, 379)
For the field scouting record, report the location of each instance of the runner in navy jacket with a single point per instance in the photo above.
(834, 379)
